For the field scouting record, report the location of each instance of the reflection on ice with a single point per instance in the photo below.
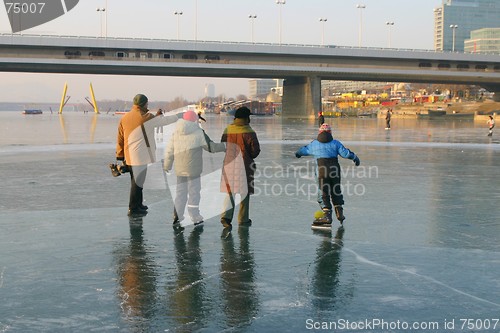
(327, 290)
(137, 279)
(238, 289)
(188, 304)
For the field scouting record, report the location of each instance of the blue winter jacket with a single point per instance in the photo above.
(328, 149)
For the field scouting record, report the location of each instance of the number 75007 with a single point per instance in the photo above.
(24, 7)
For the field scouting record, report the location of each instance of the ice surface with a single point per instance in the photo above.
(420, 242)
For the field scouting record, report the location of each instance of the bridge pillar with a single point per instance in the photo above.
(301, 97)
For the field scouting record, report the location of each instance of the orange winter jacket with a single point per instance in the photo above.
(239, 166)
(131, 145)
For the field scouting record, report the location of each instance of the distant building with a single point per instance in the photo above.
(331, 87)
(260, 88)
(466, 15)
(210, 90)
(485, 40)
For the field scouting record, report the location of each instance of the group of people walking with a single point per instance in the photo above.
(136, 149)
(184, 154)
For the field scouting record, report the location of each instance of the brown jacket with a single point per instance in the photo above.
(239, 166)
(131, 145)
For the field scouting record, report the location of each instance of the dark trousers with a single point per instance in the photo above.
(331, 192)
(137, 179)
(329, 180)
(229, 207)
(187, 191)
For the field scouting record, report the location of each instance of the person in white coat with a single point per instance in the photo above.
(185, 153)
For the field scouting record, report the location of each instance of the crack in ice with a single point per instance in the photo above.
(194, 283)
(1, 277)
(411, 272)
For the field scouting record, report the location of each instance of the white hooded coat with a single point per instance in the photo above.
(184, 150)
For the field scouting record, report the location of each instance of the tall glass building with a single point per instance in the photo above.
(485, 40)
(262, 87)
(455, 19)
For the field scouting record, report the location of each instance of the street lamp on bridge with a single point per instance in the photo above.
(280, 3)
(453, 28)
(252, 18)
(323, 20)
(178, 14)
(360, 7)
(196, 20)
(390, 24)
(101, 11)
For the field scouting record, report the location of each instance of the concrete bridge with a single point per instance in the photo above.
(302, 66)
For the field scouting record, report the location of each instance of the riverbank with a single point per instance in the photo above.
(466, 110)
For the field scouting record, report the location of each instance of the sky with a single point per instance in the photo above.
(217, 20)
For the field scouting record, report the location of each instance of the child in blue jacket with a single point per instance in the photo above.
(326, 151)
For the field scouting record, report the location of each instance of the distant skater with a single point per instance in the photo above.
(388, 119)
(200, 117)
(491, 124)
(321, 119)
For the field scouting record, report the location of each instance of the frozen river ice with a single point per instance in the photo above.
(419, 250)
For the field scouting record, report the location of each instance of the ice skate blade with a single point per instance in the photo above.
(323, 227)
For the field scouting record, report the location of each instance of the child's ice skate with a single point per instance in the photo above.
(323, 220)
(339, 213)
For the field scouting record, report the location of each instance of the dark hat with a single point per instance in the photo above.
(242, 112)
(140, 100)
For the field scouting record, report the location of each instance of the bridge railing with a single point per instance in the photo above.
(282, 45)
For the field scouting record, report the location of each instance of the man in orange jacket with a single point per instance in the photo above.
(136, 147)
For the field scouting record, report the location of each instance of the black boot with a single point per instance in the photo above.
(177, 218)
(339, 212)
